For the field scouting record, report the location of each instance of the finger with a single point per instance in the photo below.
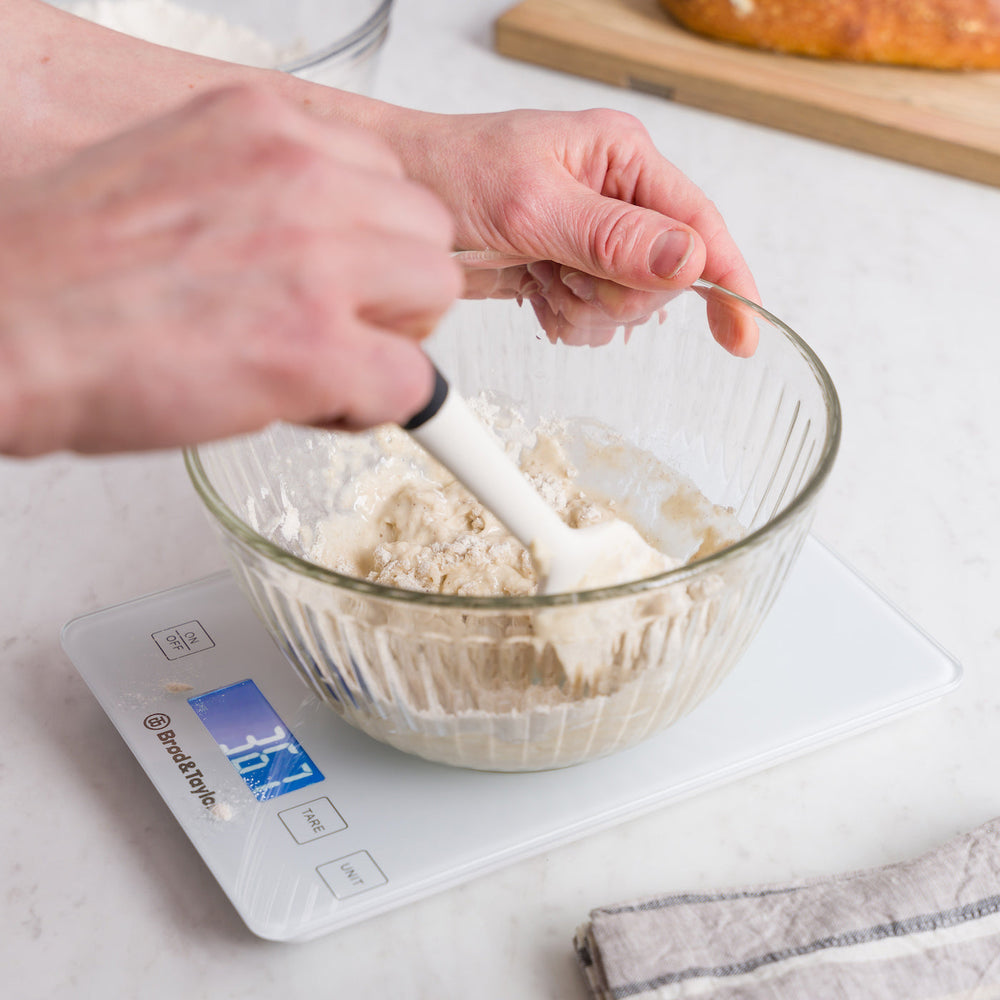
(732, 321)
(714, 256)
(734, 328)
(401, 283)
(382, 378)
(680, 265)
(649, 219)
(666, 189)
(576, 295)
(499, 283)
(398, 208)
(627, 244)
(593, 331)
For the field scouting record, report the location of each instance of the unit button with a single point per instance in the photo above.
(312, 820)
(352, 874)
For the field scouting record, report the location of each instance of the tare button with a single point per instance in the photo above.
(352, 874)
(312, 820)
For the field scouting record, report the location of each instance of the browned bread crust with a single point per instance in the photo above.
(943, 34)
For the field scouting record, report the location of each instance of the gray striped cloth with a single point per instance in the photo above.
(927, 929)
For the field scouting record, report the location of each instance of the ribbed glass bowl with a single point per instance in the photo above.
(481, 682)
(333, 42)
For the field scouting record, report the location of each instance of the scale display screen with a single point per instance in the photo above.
(269, 759)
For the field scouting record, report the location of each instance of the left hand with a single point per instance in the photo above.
(608, 229)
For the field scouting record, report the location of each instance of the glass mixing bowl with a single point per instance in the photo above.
(482, 682)
(333, 42)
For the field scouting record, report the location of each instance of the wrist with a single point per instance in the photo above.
(402, 129)
(29, 360)
(12, 395)
(39, 402)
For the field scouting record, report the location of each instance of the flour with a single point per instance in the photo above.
(164, 22)
(222, 812)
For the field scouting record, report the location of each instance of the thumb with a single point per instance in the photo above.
(628, 244)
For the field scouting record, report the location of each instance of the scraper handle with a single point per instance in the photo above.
(438, 396)
(455, 436)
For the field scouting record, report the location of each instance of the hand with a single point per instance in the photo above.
(609, 230)
(607, 227)
(235, 262)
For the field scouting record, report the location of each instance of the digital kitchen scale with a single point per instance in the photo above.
(309, 825)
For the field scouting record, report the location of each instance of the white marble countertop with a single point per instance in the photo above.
(889, 272)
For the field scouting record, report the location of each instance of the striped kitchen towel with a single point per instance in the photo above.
(927, 929)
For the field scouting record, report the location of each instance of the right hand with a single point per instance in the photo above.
(606, 228)
(235, 262)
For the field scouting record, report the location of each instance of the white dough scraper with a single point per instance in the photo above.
(566, 559)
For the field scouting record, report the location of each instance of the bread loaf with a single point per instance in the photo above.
(943, 34)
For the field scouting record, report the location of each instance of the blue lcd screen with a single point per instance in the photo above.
(269, 759)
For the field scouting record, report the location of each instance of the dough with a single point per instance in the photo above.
(413, 526)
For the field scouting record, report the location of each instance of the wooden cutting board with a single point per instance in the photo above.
(945, 121)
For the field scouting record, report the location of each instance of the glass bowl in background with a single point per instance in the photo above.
(483, 682)
(333, 42)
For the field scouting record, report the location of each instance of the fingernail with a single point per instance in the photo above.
(670, 252)
(543, 271)
(529, 288)
(581, 285)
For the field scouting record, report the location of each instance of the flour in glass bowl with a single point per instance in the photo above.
(510, 688)
(164, 22)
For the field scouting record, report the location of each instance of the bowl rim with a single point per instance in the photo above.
(232, 523)
(360, 38)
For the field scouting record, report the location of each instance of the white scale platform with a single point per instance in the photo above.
(381, 828)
